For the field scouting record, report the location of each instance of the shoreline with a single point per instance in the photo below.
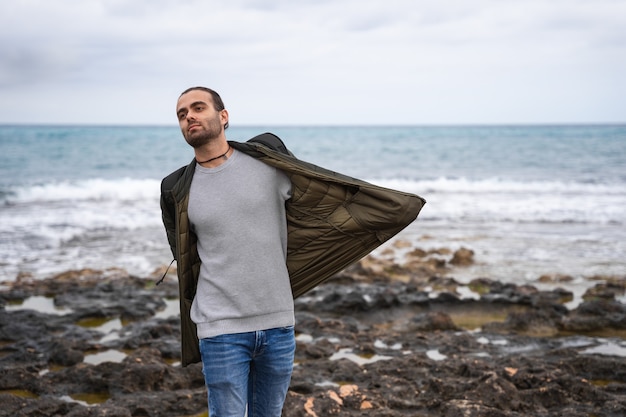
(520, 257)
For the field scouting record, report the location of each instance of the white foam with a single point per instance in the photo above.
(97, 189)
(57, 212)
(517, 229)
(514, 201)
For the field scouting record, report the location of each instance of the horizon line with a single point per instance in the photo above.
(329, 125)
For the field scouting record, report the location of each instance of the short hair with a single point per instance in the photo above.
(218, 104)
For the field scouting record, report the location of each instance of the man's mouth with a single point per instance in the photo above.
(192, 127)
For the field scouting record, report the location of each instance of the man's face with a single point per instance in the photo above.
(199, 122)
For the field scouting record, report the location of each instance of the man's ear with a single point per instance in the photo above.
(224, 117)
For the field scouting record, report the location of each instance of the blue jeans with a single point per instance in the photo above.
(252, 369)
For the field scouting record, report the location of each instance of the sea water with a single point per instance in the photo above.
(528, 200)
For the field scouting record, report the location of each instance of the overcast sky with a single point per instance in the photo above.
(315, 62)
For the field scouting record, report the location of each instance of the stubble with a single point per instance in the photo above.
(205, 134)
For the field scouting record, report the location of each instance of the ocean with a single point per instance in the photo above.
(528, 200)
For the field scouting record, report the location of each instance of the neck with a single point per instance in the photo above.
(215, 159)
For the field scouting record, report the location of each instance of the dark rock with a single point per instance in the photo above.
(609, 290)
(430, 322)
(537, 323)
(596, 315)
(62, 353)
(367, 345)
(463, 257)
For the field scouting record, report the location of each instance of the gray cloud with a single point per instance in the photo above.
(428, 61)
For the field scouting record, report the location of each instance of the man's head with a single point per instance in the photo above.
(218, 104)
(201, 115)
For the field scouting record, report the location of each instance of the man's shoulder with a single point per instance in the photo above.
(170, 180)
(271, 141)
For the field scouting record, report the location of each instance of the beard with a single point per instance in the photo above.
(209, 131)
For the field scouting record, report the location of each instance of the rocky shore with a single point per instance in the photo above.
(383, 338)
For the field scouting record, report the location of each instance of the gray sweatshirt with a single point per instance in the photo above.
(237, 210)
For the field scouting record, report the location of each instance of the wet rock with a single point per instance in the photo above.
(555, 278)
(542, 323)
(609, 290)
(431, 321)
(15, 406)
(596, 316)
(463, 257)
(63, 353)
(321, 349)
(369, 343)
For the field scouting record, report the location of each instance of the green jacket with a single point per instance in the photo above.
(332, 221)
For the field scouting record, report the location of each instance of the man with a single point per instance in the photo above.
(233, 217)
(243, 306)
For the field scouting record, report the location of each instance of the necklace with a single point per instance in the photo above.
(217, 157)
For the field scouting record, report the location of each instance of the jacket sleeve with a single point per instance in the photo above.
(168, 208)
(168, 222)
